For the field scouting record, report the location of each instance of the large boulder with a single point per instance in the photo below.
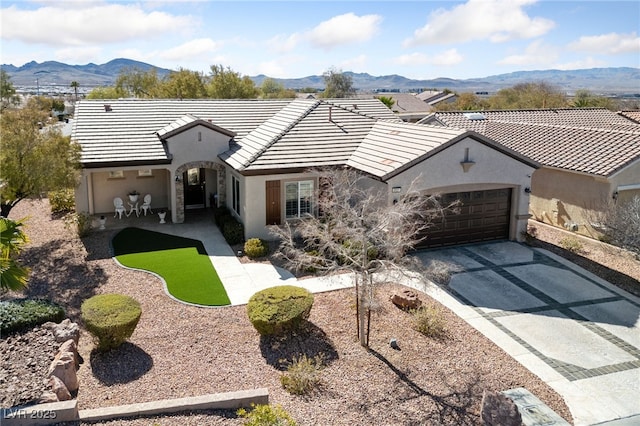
(499, 410)
(64, 331)
(71, 346)
(63, 366)
(59, 389)
(407, 299)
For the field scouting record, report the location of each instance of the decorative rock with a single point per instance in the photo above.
(47, 397)
(59, 389)
(71, 346)
(64, 331)
(499, 410)
(63, 366)
(407, 299)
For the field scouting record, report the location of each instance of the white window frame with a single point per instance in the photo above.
(145, 172)
(116, 174)
(302, 199)
(235, 194)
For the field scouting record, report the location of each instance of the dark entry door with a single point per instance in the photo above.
(273, 202)
(194, 191)
(484, 216)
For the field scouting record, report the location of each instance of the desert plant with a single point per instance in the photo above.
(23, 314)
(429, 320)
(13, 275)
(255, 247)
(571, 244)
(302, 374)
(62, 200)
(232, 230)
(279, 309)
(266, 415)
(80, 222)
(111, 318)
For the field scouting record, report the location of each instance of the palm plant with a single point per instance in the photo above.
(13, 276)
(75, 86)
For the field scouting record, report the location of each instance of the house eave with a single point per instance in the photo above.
(114, 164)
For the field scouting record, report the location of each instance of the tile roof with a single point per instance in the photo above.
(633, 115)
(593, 141)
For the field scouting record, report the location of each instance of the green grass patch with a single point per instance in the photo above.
(182, 262)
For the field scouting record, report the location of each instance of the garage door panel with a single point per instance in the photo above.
(484, 215)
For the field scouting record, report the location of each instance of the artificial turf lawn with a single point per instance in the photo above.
(183, 263)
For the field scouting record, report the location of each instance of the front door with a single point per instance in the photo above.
(273, 202)
(194, 190)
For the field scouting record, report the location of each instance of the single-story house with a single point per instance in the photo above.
(589, 157)
(258, 157)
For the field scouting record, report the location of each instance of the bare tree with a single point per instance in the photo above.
(620, 223)
(357, 230)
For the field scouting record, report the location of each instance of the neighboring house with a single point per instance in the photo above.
(408, 107)
(589, 157)
(434, 97)
(260, 159)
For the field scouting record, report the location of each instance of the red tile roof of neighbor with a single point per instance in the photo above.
(594, 141)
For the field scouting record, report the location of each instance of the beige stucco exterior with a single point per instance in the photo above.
(573, 200)
(489, 169)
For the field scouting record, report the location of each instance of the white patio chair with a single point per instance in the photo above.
(119, 206)
(146, 205)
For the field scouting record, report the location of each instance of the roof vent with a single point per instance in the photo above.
(355, 106)
(475, 116)
(107, 108)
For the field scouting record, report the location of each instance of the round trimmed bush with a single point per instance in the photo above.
(111, 318)
(279, 309)
(255, 247)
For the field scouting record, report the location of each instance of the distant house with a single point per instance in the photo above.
(408, 107)
(260, 158)
(588, 156)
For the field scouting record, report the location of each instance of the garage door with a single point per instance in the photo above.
(484, 216)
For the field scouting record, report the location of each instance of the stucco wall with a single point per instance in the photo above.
(629, 178)
(565, 199)
(491, 169)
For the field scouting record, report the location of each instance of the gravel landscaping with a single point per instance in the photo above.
(179, 350)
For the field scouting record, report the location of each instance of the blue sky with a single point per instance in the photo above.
(415, 39)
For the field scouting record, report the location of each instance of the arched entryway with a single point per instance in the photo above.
(186, 185)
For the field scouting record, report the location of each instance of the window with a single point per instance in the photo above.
(145, 172)
(117, 174)
(298, 198)
(235, 194)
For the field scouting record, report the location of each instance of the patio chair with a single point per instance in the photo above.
(146, 205)
(119, 206)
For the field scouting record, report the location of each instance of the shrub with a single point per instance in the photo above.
(23, 314)
(279, 309)
(219, 213)
(111, 318)
(81, 222)
(302, 375)
(62, 200)
(429, 320)
(266, 415)
(232, 230)
(255, 247)
(571, 244)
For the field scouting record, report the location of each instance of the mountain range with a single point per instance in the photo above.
(622, 80)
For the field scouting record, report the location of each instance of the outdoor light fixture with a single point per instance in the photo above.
(527, 190)
(178, 178)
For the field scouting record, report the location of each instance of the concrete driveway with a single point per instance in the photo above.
(574, 330)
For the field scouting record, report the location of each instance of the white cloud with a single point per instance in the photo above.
(357, 63)
(344, 29)
(78, 55)
(193, 49)
(608, 44)
(447, 58)
(536, 53)
(85, 24)
(495, 20)
(283, 43)
(588, 62)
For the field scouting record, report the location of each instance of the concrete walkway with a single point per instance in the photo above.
(575, 331)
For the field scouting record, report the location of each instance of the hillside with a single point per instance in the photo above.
(597, 80)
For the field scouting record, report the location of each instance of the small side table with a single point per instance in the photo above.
(134, 208)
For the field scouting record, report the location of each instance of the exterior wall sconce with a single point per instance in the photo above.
(614, 195)
(527, 190)
(178, 178)
(466, 163)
